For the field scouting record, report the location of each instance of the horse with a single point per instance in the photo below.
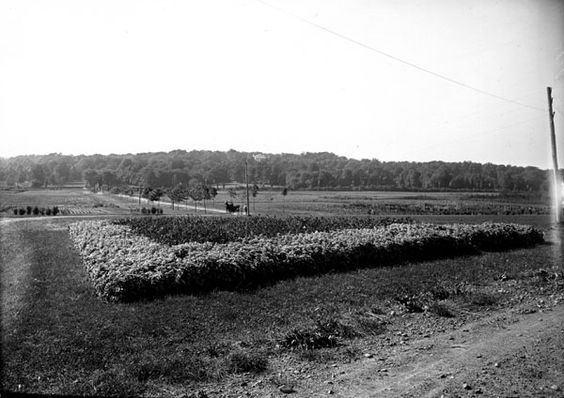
(231, 208)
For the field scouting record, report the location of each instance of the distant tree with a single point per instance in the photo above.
(38, 176)
(109, 178)
(62, 173)
(213, 193)
(196, 192)
(254, 191)
(284, 193)
(91, 177)
(178, 194)
(155, 195)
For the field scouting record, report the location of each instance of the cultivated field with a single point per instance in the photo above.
(381, 329)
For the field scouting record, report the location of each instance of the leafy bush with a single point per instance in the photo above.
(28, 208)
(22, 212)
(35, 211)
(15, 212)
(125, 266)
(55, 210)
(177, 230)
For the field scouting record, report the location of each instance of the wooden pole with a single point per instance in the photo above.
(557, 181)
(247, 184)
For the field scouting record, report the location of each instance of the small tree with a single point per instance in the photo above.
(284, 193)
(255, 191)
(178, 194)
(213, 193)
(155, 195)
(196, 192)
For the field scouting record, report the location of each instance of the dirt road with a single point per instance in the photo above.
(504, 355)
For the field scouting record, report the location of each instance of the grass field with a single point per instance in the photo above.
(59, 338)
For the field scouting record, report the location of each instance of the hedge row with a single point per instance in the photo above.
(177, 230)
(125, 266)
(36, 211)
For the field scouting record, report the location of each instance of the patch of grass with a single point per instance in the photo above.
(412, 303)
(483, 299)
(241, 361)
(176, 368)
(441, 309)
(326, 333)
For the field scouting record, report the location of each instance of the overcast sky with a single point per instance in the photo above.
(360, 78)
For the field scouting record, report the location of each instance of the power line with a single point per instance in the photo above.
(420, 68)
(481, 133)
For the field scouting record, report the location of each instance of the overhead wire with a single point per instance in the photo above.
(482, 133)
(400, 60)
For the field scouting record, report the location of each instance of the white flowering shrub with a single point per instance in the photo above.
(125, 266)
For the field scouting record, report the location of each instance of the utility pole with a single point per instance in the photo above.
(247, 184)
(557, 181)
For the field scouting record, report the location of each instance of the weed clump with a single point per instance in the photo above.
(241, 362)
(412, 303)
(325, 334)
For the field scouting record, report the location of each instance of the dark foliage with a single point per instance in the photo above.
(176, 230)
(305, 171)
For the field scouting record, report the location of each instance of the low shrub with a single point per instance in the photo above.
(29, 209)
(125, 266)
(22, 212)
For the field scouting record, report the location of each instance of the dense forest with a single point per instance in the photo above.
(305, 171)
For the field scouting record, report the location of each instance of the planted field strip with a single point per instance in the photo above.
(125, 266)
(445, 208)
(177, 230)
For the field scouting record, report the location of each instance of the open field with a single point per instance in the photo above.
(320, 203)
(309, 334)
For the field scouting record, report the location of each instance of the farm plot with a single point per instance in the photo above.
(125, 266)
(69, 202)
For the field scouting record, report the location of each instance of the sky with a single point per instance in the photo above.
(409, 80)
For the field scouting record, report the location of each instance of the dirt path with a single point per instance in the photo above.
(176, 205)
(504, 355)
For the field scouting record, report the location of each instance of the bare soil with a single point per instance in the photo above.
(516, 352)
(505, 354)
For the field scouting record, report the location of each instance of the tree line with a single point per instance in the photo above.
(304, 171)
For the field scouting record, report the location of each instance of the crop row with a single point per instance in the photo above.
(177, 230)
(125, 266)
(444, 209)
(36, 211)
